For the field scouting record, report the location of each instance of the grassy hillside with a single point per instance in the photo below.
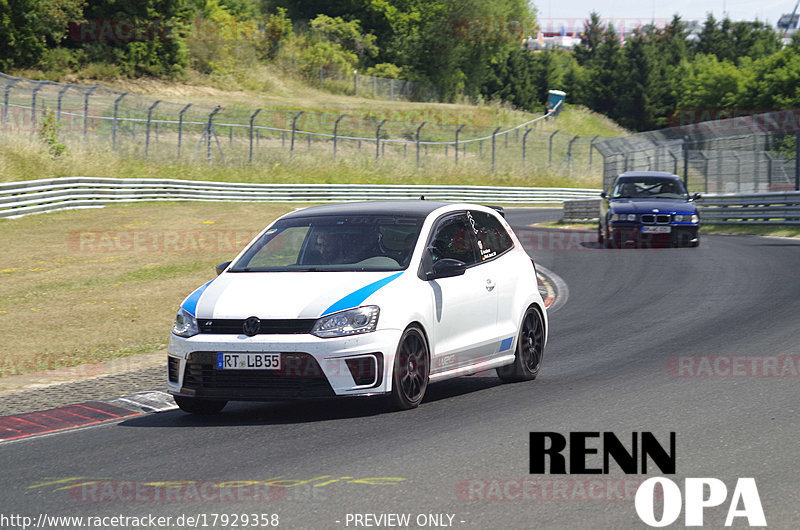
(25, 156)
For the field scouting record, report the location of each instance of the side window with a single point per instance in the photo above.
(493, 238)
(454, 239)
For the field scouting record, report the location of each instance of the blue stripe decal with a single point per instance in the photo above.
(190, 304)
(506, 344)
(355, 298)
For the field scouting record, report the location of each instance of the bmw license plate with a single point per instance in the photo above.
(248, 361)
(656, 229)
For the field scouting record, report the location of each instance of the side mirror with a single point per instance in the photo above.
(696, 196)
(603, 194)
(221, 267)
(447, 268)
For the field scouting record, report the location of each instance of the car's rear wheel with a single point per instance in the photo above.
(200, 406)
(530, 350)
(410, 377)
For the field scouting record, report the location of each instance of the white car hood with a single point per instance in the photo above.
(284, 295)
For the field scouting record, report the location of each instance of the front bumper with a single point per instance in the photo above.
(311, 367)
(632, 235)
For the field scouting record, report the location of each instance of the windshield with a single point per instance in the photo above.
(649, 187)
(333, 243)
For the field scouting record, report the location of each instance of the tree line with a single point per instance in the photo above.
(463, 48)
(656, 76)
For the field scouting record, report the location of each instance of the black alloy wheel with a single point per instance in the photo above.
(410, 378)
(530, 350)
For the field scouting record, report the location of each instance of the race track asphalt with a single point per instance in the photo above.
(633, 318)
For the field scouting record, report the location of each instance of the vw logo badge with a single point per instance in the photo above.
(251, 326)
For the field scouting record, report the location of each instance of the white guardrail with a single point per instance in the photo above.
(718, 208)
(47, 195)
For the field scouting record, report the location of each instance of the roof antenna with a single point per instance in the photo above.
(422, 197)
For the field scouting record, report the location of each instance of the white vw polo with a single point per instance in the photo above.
(360, 299)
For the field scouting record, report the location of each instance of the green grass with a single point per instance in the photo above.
(562, 224)
(757, 230)
(23, 156)
(582, 121)
(101, 301)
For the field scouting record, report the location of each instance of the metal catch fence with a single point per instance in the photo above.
(352, 82)
(154, 129)
(746, 154)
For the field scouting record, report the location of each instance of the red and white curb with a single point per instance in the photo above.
(553, 288)
(83, 415)
(546, 290)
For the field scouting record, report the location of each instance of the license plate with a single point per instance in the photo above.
(248, 361)
(656, 229)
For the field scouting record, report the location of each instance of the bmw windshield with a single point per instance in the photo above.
(649, 188)
(333, 243)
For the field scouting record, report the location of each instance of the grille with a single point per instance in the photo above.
(172, 369)
(221, 326)
(300, 376)
(662, 218)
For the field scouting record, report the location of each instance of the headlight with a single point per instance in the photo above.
(623, 217)
(185, 324)
(686, 218)
(350, 322)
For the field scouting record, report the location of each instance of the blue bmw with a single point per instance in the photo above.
(646, 209)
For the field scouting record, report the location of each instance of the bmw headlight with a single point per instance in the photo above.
(185, 324)
(686, 218)
(623, 217)
(350, 322)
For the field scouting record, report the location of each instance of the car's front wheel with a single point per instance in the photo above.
(200, 406)
(410, 377)
(530, 350)
(607, 240)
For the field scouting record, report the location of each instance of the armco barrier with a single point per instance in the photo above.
(719, 208)
(45, 195)
(751, 208)
(581, 210)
